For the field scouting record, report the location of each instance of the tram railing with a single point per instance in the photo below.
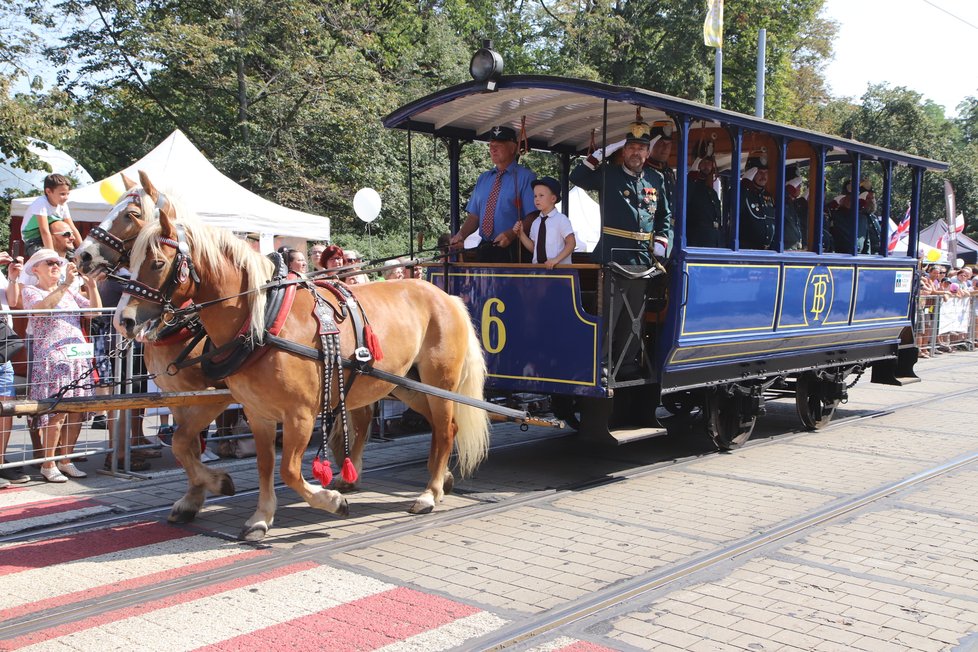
(946, 324)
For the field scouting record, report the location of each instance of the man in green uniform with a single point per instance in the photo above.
(795, 222)
(757, 223)
(636, 211)
(703, 210)
(635, 225)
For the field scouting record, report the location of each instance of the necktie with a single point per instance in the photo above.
(542, 240)
(488, 221)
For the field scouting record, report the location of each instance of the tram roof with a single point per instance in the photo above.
(561, 113)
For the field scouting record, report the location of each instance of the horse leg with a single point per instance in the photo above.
(256, 527)
(295, 438)
(186, 448)
(359, 420)
(419, 403)
(440, 415)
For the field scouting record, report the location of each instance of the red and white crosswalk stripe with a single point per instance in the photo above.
(22, 509)
(99, 563)
(303, 603)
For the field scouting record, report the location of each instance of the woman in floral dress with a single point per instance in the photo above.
(56, 362)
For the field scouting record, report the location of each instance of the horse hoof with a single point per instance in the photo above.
(345, 487)
(181, 516)
(421, 507)
(255, 532)
(343, 509)
(227, 486)
(448, 483)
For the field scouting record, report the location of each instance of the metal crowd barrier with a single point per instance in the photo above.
(116, 375)
(946, 324)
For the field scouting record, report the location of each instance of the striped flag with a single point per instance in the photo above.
(900, 232)
(713, 25)
(953, 235)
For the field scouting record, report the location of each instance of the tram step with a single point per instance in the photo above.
(628, 435)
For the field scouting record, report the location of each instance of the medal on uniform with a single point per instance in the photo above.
(626, 193)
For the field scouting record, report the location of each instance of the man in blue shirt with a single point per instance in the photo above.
(501, 196)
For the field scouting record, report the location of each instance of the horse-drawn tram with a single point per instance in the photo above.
(759, 292)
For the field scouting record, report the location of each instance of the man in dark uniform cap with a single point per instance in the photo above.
(703, 211)
(868, 230)
(757, 223)
(795, 221)
(636, 217)
(635, 225)
(501, 196)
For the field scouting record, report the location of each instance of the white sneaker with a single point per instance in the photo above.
(53, 475)
(72, 471)
(208, 456)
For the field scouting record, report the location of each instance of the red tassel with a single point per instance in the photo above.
(322, 471)
(349, 471)
(373, 343)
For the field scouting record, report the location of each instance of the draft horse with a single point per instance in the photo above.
(108, 247)
(424, 333)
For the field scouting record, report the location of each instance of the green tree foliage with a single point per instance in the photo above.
(286, 98)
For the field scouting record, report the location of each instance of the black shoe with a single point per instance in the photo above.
(99, 422)
(14, 476)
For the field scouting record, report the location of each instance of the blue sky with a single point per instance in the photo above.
(912, 43)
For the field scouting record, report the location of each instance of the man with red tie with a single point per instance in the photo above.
(502, 196)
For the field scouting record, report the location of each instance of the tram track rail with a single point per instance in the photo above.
(519, 633)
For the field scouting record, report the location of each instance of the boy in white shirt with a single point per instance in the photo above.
(551, 236)
(52, 207)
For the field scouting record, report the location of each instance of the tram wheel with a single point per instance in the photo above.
(814, 412)
(728, 424)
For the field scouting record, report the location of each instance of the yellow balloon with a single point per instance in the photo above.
(933, 256)
(109, 190)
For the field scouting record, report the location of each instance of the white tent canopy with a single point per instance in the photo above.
(33, 180)
(177, 165)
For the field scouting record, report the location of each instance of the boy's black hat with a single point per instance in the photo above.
(550, 183)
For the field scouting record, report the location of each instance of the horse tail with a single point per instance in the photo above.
(472, 438)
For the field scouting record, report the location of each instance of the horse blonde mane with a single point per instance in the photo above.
(216, 254)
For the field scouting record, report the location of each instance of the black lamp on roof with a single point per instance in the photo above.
(486, 65)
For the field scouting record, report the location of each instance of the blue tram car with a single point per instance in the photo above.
(724, 328)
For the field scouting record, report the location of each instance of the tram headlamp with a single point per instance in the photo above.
(486, 65)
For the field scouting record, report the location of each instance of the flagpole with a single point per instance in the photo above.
(718, 77)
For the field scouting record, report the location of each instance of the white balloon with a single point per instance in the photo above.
(366, 204)
(959, 263)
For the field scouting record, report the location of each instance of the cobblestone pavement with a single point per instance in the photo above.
(898, 573)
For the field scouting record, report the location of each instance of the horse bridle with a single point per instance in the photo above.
(181, 269)
(116, 243)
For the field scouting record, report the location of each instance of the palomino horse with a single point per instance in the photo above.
(108, 248)
(423, 332)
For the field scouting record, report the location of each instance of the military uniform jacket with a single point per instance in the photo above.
(868, 231)
(635, 211)
(757, 223)
(794, 229)
(702, 213)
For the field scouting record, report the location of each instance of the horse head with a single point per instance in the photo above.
(107, 246)
(163, 274)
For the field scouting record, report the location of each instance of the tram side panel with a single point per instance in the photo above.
(755, 319)
(536, 334)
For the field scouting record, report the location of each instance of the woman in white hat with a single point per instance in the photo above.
(55, 346)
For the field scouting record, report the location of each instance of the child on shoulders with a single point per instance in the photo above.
(551, 237)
